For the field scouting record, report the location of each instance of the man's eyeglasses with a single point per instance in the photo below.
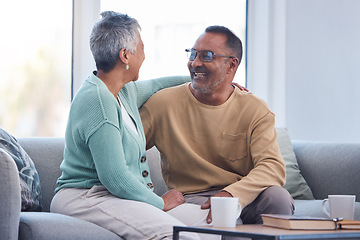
(204, 56)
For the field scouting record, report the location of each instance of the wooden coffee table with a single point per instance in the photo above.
(262, 232)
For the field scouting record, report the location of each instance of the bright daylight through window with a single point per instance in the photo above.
(169, 27)
(36, 52)
(36, 67)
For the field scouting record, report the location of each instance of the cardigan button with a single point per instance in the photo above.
(143, 159)
(150, 185)
(145, 173)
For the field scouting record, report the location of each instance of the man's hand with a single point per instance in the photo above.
(207, 205)
(239, 86)
(172, 199)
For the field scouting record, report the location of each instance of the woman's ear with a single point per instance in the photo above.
(124, 56)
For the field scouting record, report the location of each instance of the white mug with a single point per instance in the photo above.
(341, 206)
(225, 211)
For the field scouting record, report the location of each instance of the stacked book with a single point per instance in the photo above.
(307, 223)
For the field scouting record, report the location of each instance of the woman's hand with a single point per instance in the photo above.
(172, 199)
(239, 86)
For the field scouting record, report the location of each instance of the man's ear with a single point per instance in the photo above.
(234, 63)
(124, 56)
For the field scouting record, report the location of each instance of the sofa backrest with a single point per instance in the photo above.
(47, 154)
(329, 168)
(153, 156)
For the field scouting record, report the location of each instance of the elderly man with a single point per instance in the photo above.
(215, 139)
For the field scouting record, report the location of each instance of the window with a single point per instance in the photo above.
(36, 52)
(35, 67)
(169, 27)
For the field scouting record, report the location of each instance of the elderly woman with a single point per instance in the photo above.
(105, 176)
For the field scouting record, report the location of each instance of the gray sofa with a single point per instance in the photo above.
(328, 168)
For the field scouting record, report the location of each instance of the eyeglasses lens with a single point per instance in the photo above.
(192, 55)
(205, 56)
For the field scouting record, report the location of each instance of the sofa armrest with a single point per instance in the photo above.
(54, 226)
(329, 168)
(10, 197)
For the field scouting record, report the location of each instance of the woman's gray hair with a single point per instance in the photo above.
(109, 35)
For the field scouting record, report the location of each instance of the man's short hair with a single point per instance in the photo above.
(232, 42)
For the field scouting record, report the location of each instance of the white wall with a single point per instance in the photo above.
(266, 58)
(311, 78)
(323, 70)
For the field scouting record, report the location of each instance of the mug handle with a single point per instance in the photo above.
(323, 207)
(238, 211)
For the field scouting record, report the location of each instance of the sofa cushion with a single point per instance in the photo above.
(295, 182)
(313, 208)
(29, 178)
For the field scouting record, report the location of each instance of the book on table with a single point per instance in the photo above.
(295, 222)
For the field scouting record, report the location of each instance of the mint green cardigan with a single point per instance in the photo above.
(100, 149)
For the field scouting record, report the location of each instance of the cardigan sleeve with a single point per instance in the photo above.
(112, 169)
(146, 88)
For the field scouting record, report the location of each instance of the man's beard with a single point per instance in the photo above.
(208, 89)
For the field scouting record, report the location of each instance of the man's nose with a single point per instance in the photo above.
(196, 62)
